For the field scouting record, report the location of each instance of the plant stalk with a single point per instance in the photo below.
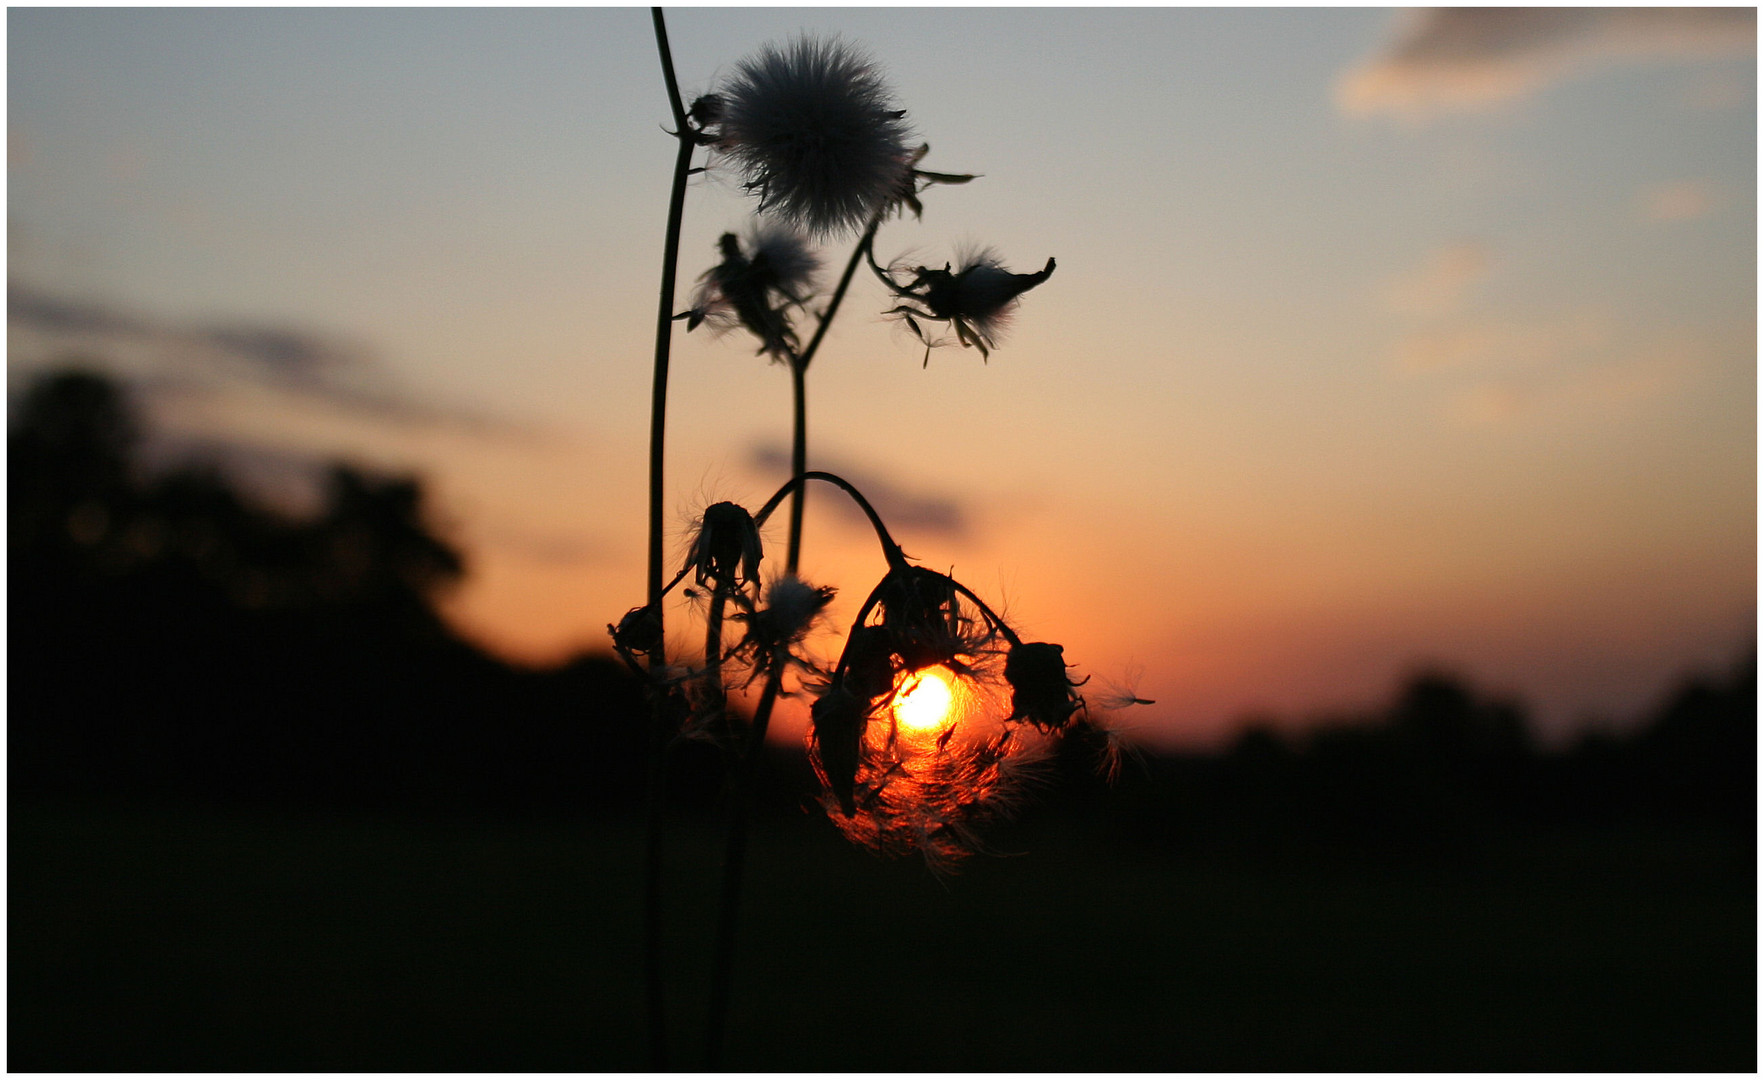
(734, 863)
(799, 394)
(655, 996)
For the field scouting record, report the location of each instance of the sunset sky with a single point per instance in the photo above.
(1377, 340)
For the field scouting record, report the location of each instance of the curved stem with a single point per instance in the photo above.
(991, 616)
(890, 550)
(652, 860)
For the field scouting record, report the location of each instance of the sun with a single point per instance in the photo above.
(925, 702)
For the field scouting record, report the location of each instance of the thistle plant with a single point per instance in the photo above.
(811, 130)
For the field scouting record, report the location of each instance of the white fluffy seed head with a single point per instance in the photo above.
(814, 131)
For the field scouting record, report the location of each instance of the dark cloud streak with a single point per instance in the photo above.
(316, 367)
(900, 510)
(1470, 58)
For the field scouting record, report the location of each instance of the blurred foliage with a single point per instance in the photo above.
(171, 639)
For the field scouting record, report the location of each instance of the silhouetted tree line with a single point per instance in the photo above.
(172, 640)
(1441, 770)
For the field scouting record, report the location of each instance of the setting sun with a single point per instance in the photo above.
(924, 702)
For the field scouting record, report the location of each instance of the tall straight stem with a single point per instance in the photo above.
(734, 861)
(798, 458)
(656, 999)
(799, 394)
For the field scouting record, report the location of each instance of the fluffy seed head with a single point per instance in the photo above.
(792, 605)
(814, 131)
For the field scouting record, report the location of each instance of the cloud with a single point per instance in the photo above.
(1439, 285)
(1501, 346)
(1682, 200)
(902, 511)
(1612, 389)
(207, 357)
(1476, 58)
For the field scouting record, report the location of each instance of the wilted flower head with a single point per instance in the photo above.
(727, 547)
(1041, 693)
(836, 737)
(925, 619)
(976, 299)
(755, 287)
(814, 130)
(639, 633)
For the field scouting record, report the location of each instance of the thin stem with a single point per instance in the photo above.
(798, 458)
(799, 393)
(652, 876)
(734, 863)
(864, 245)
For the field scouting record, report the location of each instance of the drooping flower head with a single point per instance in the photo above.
(1041, 691)
(727, 547)
(815, 133)
(755, 285)
(976, 298)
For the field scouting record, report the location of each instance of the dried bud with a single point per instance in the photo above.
(706, 110)
(869, 663)
(756, 287)
(838, 734)
(727, 548)
(922, 614)
(639, 632)
(976, 299)
(1040, 691)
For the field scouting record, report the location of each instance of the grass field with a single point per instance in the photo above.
(172, 941)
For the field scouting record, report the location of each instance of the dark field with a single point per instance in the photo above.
(172, 941)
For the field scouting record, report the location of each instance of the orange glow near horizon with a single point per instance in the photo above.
(925, 702)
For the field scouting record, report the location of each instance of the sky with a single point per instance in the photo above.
(1379, 340)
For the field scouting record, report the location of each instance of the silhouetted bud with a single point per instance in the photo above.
(922, 613)
(839, 722)
(1040, 691)
(869, 663)
(727, 547)
(976, 300)
(639, 632)
(706, 110)
(755, 288)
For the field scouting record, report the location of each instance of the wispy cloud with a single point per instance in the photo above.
(1439, 284)
(1613, 389)
(1681, 200)
(194, 358)
(901, 510)
(1488, 345)
(1475, 58)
